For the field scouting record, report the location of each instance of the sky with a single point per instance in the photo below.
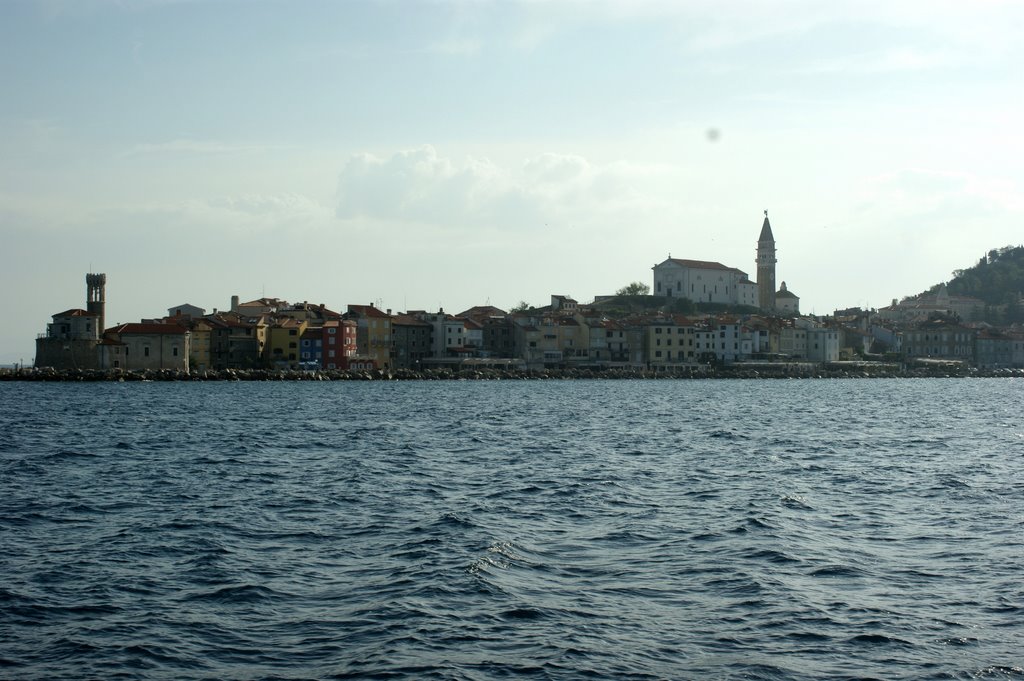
(420, 155)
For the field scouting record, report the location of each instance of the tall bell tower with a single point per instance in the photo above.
(96, 299)
(766, 267)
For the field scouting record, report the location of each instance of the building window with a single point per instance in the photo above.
(145, 351)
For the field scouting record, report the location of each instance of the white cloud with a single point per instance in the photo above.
(456, 47)
(885, 61)
(421, 186)
(287, 206)
(191, 146)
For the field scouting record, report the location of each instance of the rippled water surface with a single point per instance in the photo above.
(534, 529)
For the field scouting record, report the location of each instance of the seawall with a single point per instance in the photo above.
(735, 371)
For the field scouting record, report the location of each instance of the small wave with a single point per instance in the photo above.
(749, 525)
(998, 672)
(809, 636)
(451, 519)
(771, 556)
(797, 502)
(157, 655)
(837, 571)
(879, 639)
(244, 593)
(959, 641)
(70, 455)
(69, 649)
(523, 614)
(500, 555)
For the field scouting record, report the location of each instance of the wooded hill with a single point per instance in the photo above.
(997, 280)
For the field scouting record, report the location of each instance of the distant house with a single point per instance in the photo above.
(185, 311)
(71, 341)
(339, 344)
(786, 301)
(822, 342)
(939, 338)
(146, 346)
(236, 342)
(257, 307)
(311, 347)
(282, 348)
(920, 308)
(499, 336)
(563, 304)
(314, 315)
(410, 341)
(675, 340)
(373, 333)
(999, 349)
(200, 358)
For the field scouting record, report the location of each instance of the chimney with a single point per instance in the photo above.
(234, 303)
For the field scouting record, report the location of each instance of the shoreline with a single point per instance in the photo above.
(735, 371)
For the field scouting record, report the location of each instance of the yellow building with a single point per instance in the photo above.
(373, 333)
(199, 357)
(282, 347)
(670, 340)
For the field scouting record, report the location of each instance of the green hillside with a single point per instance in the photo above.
(997, 279)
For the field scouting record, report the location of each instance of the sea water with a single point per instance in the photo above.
(799, 529)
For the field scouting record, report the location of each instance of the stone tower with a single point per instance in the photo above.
(96, 299)
(766, 267)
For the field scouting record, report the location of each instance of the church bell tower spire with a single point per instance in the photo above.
(766, 266)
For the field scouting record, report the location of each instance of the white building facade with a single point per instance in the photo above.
(703, 282)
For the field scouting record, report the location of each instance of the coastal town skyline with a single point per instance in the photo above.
(454, 154)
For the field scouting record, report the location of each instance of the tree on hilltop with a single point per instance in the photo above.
(637, 288)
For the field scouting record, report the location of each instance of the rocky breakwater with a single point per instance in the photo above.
(734, 371)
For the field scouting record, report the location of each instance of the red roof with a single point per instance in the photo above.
(367, 311)
(148, 329)
(76, 313)
(704, 265)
